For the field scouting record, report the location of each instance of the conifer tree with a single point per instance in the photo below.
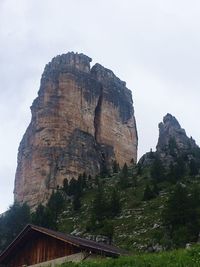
(76, 203)
(54, 208)
(155, 189)
(39, 216)
(157, 170)
(115, 167)
(139, 169)
(72, 188)
(107, 230)
(123, 182)
(15, 219)
(193, 167)
(84, 179)
(148, 193)
(65, 185)
(115, 206)
(181, 215)
(99, 205)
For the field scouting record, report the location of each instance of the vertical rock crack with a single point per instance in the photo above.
(97, 116)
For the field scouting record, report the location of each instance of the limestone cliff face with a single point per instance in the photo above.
(82, 120)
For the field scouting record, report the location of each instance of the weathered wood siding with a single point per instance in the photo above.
(39, 248)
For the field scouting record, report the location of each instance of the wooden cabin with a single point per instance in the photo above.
(39, 246)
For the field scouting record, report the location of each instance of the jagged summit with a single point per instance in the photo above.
(102, 73)
(82, 121)
(172, 143)
(169, 131)
(68, 61)
(170, 121)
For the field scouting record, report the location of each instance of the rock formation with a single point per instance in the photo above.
(172, 143)
(171, 132)
(82, 120)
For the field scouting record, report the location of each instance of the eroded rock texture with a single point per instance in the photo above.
(173, 143)
(82, 120)
(171, 133)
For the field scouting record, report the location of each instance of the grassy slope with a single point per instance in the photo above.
(176, 258)
(139, 224)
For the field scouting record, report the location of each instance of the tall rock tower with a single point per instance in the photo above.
(82, 120)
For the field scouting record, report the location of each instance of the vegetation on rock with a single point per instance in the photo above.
(150, 206)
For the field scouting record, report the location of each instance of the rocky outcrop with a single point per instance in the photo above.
(171, 134)
(82, 120)
(172, 144)
(173, 141)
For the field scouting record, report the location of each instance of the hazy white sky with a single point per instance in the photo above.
(153, 45)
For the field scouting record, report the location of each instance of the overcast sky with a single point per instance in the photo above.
(153, 45)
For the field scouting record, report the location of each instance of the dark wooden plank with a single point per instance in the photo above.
(39, 248)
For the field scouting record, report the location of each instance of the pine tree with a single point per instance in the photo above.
(177, 170)
(39, 216)
(98, 208)
(115, 206)
(104, 171)
(107, 230)
(181, 216)
(180, 168)
(101, 206)
(132, 161)
(177, 207)
(139, 169)
(193, 167)
(65, 185)
(79, 186)
(54, 208)
(125, 171)
(56, 202)
(171, 176)
(123, 182)
(157, 170)
(85, 179)
(72, 188)
(115, 167)
(97, 181)
(155, 189)
(148, 193)
(76, 202)
(151, 154)
(15, 219)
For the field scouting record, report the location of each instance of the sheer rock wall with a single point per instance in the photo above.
(82, 120)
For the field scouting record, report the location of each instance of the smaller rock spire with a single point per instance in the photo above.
(169, 130)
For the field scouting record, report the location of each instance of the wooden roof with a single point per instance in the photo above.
(83, 244)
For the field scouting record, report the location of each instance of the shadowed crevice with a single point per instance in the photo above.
(97, 116)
